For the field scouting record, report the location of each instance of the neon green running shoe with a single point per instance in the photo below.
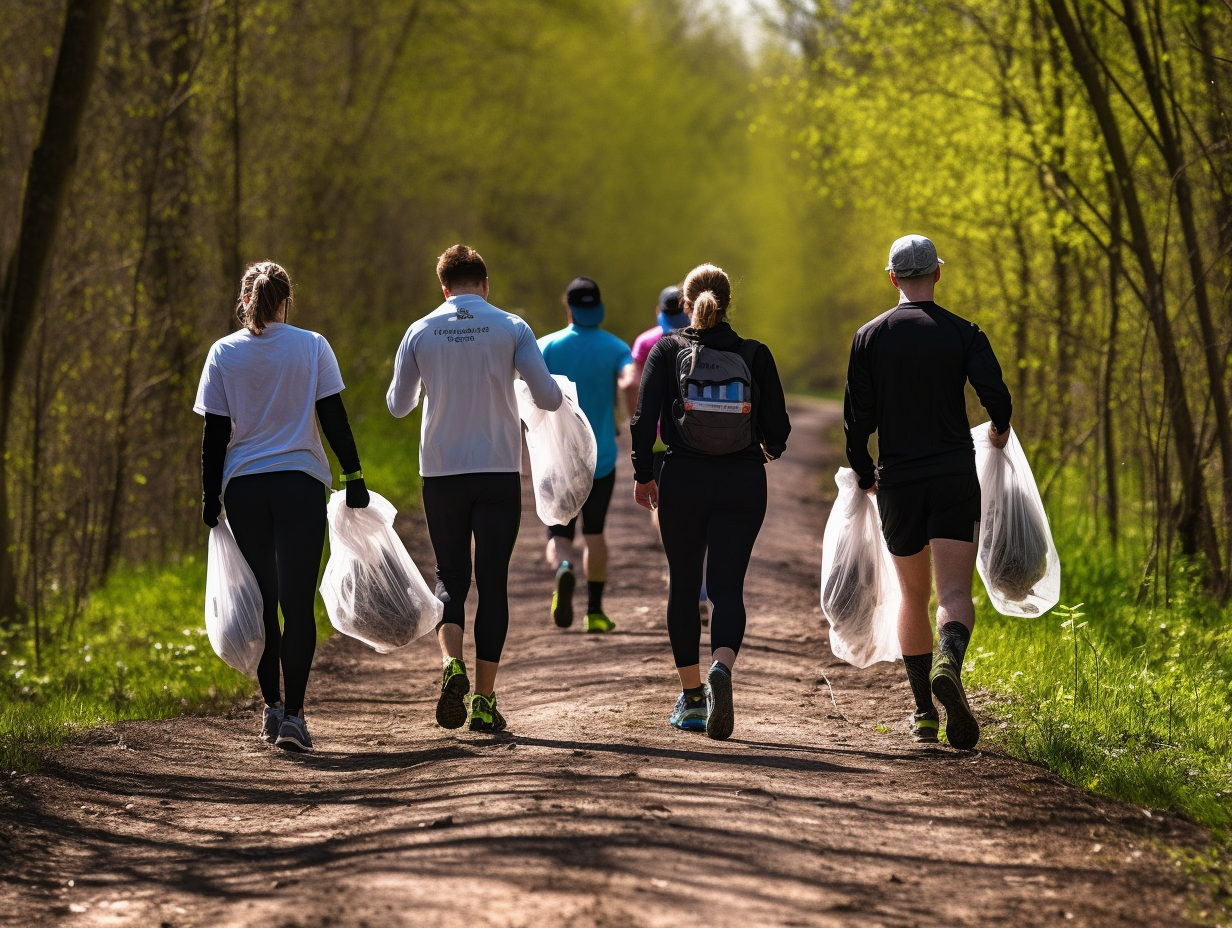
(598, 622)
(484, 714)
(924, 726)
(455, 684)
(961, 728)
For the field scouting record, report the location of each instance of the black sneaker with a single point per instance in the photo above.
(924, 726)
(451, 706)
(562, 596)
(961, 728)
(720, 715)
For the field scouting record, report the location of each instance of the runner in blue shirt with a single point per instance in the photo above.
(602, 367)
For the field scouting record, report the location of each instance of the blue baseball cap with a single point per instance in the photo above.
(670, 316)
(584, 302)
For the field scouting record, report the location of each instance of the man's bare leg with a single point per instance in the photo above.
(955, 564)
(915, 637)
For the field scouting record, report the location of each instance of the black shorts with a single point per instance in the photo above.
(941, 507)
(658, 465)
(594, 510)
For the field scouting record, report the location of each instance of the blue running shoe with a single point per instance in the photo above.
(271, 723)
(689, 713)
(562, 596)
(293, 734)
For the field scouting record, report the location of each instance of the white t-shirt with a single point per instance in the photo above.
(465, 356)
(268, 385)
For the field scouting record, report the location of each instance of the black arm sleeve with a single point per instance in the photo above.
(214, 441)
(985, 375)
(859, 414)
(643, 427)
(337, 428)
(772, 419)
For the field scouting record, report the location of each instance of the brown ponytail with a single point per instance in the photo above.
(707, 294)
(264, 288)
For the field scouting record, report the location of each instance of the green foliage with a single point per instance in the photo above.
(1120, 697)
(138, 651)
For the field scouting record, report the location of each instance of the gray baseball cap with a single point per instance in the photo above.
(913, 256)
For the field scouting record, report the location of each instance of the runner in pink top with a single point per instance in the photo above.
(670, 317)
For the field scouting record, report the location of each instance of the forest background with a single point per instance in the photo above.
(1070, 158)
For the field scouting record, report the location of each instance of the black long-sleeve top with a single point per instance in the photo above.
(660, 389)
(905, 381)
(335, 425)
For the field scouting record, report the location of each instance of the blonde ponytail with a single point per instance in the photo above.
(707, 295)
(706, 312)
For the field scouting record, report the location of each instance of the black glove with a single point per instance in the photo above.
(357, 494)
(210, 510)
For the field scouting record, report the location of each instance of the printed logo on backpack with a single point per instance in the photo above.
(715, 410)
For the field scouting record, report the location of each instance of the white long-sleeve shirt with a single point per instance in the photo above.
(464, 356)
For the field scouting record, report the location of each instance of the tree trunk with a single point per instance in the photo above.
(236, 263)
(47, 184)
(1114, 312)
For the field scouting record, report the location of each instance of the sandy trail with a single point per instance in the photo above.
(595, 812)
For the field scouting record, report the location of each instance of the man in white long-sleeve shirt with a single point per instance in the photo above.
(464, 357)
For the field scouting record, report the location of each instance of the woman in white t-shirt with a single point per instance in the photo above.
(262, 391)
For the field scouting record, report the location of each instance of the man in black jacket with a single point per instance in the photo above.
(906, 381)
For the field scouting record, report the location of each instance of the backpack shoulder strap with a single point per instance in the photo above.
(748, 351)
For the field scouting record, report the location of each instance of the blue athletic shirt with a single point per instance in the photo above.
(592, 359)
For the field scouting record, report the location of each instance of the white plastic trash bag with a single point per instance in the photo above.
(563, 453)
(859, 588)
(372, 589)
(233, 603)
(1017, 560)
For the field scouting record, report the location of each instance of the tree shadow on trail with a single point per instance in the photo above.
(741, 759)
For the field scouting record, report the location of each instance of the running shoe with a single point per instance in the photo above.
(271, 723)
(961, 728)
(451, 706)
(598, 622)
(924, 727)
(689, 713)
(484, 714)
(562, 596)
(293, 734)
(720, 715)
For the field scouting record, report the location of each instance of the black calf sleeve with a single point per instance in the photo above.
(919, 668)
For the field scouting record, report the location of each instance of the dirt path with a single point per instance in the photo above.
(595, 813)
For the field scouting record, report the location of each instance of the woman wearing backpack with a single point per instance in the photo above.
(719, 406)
(262, 391)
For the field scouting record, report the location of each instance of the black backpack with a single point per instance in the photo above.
(715, 411)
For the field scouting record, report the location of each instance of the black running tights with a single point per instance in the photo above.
(488, 507)
(709, 506)
(278, 520)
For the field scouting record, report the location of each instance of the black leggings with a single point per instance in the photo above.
(278, 520)
(488, 506)
(709, 506)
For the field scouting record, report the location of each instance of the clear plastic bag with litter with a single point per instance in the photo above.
(1017, 559)
(563, 453)
(859, 588)
(233, 603)
(372, 589)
